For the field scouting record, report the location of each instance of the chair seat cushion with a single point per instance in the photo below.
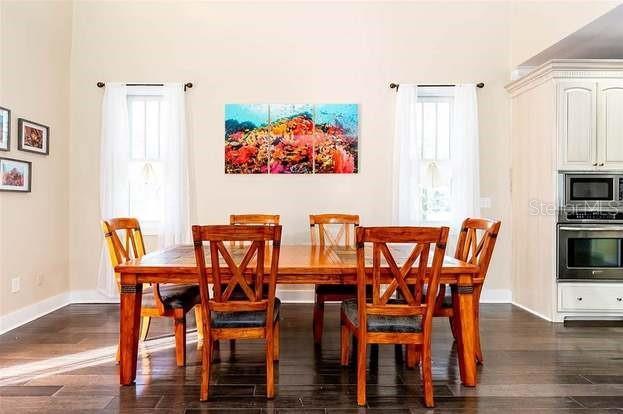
(381, 323)
(255, 319)
(173, 296)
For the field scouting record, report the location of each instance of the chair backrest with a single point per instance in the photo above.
(256, 219)
(476, 242)
(250, 281)
(333, 229)
(124, 240)
(413, 300)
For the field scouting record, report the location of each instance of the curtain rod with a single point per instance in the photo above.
(186, 85)
(397, 85)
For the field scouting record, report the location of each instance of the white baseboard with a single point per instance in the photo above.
(29, 313)
(531, 311)
(496, 296)
(90, 296)
(39, 309)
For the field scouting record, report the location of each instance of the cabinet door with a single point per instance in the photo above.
(577, 124)
(610, 125)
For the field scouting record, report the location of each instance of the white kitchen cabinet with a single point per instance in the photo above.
(610, 125)
(591, 297)
(577, 125)
(566, 115)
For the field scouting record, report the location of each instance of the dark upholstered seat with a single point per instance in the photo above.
(380, 323)
(173, 296)
(254, 319)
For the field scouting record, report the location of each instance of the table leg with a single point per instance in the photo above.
(130, 321)
(464, 307)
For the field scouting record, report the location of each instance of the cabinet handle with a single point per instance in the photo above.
(579, 298)
(601, 164)
(619, 299)
(594, 164)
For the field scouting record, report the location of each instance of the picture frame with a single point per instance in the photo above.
(15, 175)
(5, 129)
(33, 137)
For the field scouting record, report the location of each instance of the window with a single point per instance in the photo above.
(434, 121)
(145, 169)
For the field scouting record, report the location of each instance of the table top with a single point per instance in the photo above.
(293, 260)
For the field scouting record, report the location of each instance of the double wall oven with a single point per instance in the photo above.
(590, 227)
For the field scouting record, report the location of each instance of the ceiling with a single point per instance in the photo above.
(600, 39)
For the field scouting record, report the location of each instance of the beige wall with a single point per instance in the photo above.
(536, 25)
(35, 49)
(286, 52)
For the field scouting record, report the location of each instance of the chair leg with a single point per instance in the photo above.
(232, 346)
(199, 323)
(427, 376)
(318, 319)
(276, 334)
(453, 326)
(270, 374)
(206, 364)
(361, 370)
(145, 320)
(413, 356)
(479, 357)
(344, 345)
(180, 337)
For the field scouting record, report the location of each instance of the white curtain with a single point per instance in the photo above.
(176, 220)
(407, 158)
(114, 158)
(464, 149)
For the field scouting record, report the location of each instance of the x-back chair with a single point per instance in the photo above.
(386, 321)
(337, 230)
(253, 316)
(171, 301)
(475, 245)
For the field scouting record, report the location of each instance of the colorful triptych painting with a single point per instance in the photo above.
(291, 138)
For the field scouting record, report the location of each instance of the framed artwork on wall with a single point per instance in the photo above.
(33, 137)
(5, 129)
(15, 175)
(291, 138)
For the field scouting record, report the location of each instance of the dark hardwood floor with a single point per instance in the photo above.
(63, 363)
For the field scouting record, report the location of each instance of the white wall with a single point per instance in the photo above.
(286, 52)
(34, 84)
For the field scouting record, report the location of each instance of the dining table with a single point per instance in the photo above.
(298, 265)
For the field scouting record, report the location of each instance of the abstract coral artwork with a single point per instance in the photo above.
(291, 138)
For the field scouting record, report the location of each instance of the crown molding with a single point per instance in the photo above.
(567, 69)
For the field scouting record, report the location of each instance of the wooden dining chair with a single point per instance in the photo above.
(384, 320)
(331, 230)
(475, 245)
(256, 316)
(171, 301)
(254, 219)
(249, 219)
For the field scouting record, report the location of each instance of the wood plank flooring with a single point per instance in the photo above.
(63, 363)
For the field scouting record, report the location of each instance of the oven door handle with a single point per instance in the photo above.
(591, 228)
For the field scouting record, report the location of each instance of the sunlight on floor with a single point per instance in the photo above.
(25, 372)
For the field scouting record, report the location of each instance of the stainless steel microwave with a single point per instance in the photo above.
(593, 190)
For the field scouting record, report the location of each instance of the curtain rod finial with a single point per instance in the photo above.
(394, 86)
(100, 84)
(480, 85)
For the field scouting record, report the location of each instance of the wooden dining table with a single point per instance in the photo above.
(298, 264)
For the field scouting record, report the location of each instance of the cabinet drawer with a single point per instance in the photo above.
(590, 297)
